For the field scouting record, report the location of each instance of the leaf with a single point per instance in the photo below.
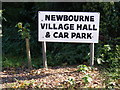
(28, 29)
(16, 25)
(99, 60)
(27, 25)
(19, 25)
(20, 30)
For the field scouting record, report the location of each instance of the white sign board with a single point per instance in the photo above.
(81, 27)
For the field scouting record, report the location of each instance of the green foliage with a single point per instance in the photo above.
(87, 79)
(13, 62)
(82, 68)
(71, 80)
(1, 14)
(8, 61)
(69, 53)
(111, 79)
(24, 31)
(69, 83)
(108, 55)
(25, 84)
(1, 17)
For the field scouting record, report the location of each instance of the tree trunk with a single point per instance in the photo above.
(28, 53)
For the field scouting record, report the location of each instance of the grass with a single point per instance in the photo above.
(12, 62)
(20, 61)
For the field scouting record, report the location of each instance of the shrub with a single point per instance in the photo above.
(82, 68)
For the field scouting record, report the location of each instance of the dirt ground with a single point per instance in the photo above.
(55, 77)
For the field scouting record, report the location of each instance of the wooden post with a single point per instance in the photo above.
(28, 52)
(44, 54)
(92, 54)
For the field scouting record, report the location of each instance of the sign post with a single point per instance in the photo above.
(92, 54)
(44, 54)
(75, 27)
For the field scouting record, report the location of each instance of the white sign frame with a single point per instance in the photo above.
(90, 36)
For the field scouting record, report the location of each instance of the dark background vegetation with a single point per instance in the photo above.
(107, 51)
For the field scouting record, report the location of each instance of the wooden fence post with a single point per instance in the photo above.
(28, 52)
